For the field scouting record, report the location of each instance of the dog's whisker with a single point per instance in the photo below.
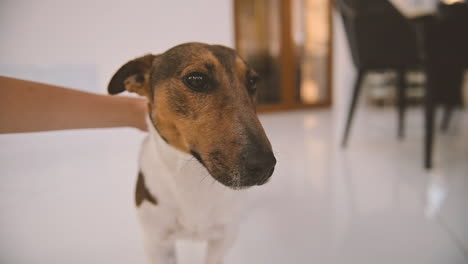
(204, 177)
(213, 182)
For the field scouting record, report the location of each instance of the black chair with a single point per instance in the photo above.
(446, 57)
(380, 38)
(448, 51)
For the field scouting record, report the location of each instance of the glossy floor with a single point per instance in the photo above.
(66, 197)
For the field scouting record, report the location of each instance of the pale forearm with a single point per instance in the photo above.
(29, 106)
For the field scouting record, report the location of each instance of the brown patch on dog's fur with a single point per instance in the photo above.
(134, 76)
(179, 103)
(142, 193)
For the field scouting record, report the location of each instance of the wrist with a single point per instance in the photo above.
(138, 113)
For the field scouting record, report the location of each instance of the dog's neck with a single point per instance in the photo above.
(171, 156)
(183, 167)
(194, 190)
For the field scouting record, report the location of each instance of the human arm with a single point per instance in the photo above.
(27, 106)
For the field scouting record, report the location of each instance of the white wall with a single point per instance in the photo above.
(106, 33)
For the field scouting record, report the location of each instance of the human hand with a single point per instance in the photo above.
(140, 111)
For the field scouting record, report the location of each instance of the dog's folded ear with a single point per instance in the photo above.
(134, 76)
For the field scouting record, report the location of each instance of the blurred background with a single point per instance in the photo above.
(362, 100)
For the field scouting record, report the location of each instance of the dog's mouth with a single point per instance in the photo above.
(242, 174)
(197, 156)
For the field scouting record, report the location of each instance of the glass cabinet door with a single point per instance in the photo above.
(311, 27)
(288, 43)
(259, 44)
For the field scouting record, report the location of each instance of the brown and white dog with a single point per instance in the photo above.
(201, 104)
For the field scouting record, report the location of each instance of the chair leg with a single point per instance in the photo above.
(401, 102)
(429, 133)
(453, 95)
(429, 112)
(352, 107)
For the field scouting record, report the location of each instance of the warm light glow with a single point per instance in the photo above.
(451, 2)
(309, 91)
(315, 48)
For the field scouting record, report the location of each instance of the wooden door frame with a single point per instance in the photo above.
(287, 60)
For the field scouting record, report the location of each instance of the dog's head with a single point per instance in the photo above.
(202, 101)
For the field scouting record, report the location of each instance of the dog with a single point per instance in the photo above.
(205, 144)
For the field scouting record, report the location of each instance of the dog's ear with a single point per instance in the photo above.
(134, 76)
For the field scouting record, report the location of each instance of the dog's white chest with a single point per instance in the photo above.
(191, 202)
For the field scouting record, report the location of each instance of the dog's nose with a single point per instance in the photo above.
(260, 166)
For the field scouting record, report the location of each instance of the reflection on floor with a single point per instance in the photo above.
(66, 197)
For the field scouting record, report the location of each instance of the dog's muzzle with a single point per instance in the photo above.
(259, 166)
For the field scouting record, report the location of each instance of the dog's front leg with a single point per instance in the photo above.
(160, 251)
(217, 248)
(157, 230)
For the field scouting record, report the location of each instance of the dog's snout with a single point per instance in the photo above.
(260, 166)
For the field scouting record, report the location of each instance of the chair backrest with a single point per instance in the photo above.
(378, 35)
(448, 35)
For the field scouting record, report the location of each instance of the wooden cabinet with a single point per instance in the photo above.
(288, 42)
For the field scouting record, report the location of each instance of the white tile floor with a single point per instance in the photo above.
(66, 197)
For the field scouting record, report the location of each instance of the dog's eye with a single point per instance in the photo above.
(252, 84)
(197, 81)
